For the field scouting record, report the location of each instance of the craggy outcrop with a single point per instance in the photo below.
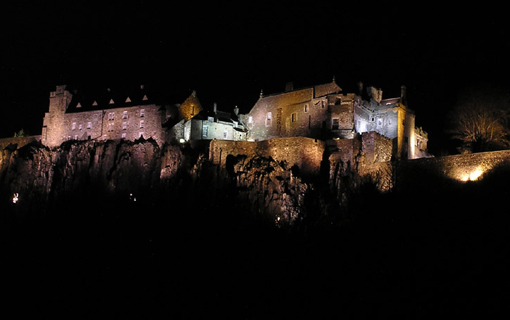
(103, 174)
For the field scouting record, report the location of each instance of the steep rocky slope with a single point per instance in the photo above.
(94, 175)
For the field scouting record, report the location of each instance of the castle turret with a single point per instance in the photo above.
(403, 95)
(53, 122)
(59, 99)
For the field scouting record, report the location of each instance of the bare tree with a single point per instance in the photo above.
(480, 121)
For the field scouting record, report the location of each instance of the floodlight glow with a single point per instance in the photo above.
(473, 176)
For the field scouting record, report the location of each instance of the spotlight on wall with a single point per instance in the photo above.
(472, 176)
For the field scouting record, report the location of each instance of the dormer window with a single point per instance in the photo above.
(269, 118)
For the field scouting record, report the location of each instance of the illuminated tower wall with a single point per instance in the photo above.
(52, 132)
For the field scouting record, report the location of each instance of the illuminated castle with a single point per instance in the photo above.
(111, 115)
(324, 112)
(320, 112)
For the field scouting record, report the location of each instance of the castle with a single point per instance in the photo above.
(324, 112)
(320, 112)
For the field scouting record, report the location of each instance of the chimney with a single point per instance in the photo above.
(289, 86)
(403, 95)
(215, 107)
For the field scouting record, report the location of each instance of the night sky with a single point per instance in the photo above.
(228, 53)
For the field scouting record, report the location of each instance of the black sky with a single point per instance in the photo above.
(228, 53)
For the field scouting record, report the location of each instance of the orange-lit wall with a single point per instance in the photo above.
(306, 153)
(461, 167)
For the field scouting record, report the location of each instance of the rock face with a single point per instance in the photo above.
(88, 175)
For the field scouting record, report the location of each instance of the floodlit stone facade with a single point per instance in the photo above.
(323, 112)
(108, 118)
(112, 116)
(319, 112)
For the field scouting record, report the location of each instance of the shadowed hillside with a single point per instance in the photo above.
(128, 228)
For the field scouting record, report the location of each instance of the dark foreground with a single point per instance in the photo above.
(413, 255)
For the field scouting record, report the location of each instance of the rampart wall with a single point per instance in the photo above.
(305, 153)
(18, 141)
(462, 167)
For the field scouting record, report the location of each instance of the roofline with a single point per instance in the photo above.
(299, 89)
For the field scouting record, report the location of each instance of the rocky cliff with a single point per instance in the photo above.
(131, 227)
(91, 175)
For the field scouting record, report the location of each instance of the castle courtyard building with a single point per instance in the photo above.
(324, 112)
(110, 116)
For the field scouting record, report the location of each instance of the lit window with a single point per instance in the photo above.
(89, 125)
(80, 127)
(123, 135)
(142, 123)
(205, 130)
(335, 125)
(142, 112)
(111, 116)
(140, 135)
(76, 137)
(124, 125)
(268, 119)
(124, 115)
(74, 126)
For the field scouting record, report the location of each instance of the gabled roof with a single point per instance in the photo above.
(302, 94)
(90, 99)
(223, 116)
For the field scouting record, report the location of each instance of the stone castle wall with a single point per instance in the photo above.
(305, 153)
(455, 168)
(18, 141)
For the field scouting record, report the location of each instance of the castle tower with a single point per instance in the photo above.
(53, 122)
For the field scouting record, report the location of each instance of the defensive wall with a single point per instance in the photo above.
(306, 153)
(431, 172)
(18, 141)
